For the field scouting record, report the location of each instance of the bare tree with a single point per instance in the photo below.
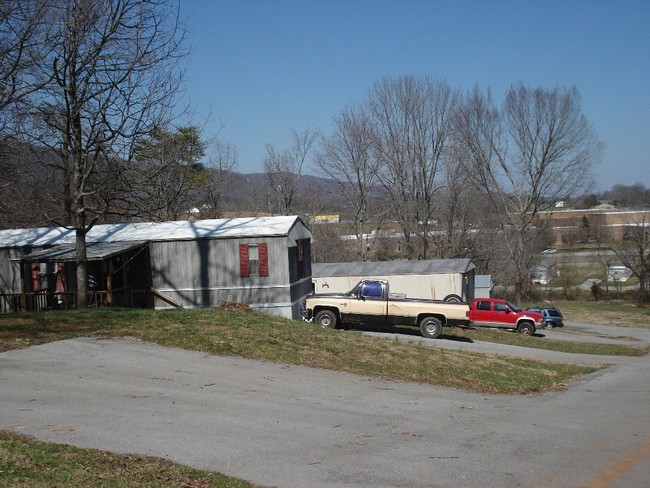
(24, 43)
(328, 246)
(634, 251)
(221, 164)
(412, 118)
(347, 157)
(459, 211)
(113, 74)
(284, 169)
(524, 156)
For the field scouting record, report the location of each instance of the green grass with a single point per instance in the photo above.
(262, 337)
(25, 462)
(605, 313)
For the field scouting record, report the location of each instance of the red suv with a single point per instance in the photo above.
(498, 313)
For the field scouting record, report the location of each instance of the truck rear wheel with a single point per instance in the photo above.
(430, 327)
(526, 328)
(326, 319)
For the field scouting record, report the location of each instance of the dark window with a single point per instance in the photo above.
(301, 259)
(500, 307)
(483, 306)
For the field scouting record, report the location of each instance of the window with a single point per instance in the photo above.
(372, 289)
(253, 260)
(483, 306)
(500, 307)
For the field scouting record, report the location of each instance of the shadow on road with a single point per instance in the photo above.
(404, 330)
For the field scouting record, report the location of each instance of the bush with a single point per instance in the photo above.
(596, 291)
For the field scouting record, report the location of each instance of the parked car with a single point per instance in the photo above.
(552, 315)
(550, 250)
(501, 314)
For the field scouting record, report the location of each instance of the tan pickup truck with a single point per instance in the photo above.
(370, 302)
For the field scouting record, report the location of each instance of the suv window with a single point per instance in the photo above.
(483, 306)
(553, 312)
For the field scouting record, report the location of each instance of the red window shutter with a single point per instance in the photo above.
(263, 256)
(244, 272)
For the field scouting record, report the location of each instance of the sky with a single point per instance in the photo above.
(262, 68)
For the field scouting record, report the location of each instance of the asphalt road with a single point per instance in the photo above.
(290, 426)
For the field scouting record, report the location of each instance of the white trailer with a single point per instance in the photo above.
(435, 279)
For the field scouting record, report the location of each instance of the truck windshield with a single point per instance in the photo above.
(514, 308)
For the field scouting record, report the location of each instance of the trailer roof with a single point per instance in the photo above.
(153, 231)
(95, 251)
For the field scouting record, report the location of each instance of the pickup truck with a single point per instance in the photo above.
(370, 302)
(498, 313)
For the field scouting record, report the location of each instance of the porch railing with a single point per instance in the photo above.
(44, 300)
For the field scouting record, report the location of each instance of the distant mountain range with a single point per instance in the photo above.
(251, 192)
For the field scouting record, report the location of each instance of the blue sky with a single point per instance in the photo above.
(263, 68)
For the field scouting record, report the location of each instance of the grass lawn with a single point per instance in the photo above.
(259, 336)
(605, 313)
(26, 462)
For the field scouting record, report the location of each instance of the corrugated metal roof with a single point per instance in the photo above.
(95, 251)
(383, 268)
(154, 231)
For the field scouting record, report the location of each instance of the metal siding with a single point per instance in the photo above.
(9, 272)
(205, 272)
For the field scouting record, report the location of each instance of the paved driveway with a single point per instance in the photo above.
(290, 426)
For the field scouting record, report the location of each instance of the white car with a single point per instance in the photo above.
(550, 250)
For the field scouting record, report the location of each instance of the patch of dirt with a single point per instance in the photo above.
(234, 307)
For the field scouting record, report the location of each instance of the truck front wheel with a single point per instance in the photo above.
(326, 319)
(526, 328)
(430, 327)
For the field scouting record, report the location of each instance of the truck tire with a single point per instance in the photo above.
(453, 298)
(326, 319)
(430, 327)
(526, 328)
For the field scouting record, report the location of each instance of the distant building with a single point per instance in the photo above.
(325, 219)
(543, 273)
(618, 273)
